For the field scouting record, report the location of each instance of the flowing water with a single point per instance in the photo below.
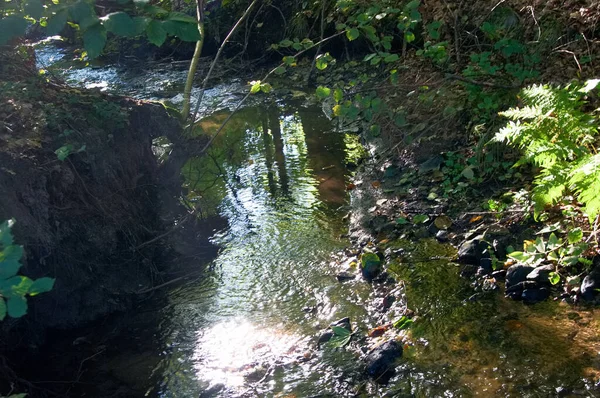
(249, 326)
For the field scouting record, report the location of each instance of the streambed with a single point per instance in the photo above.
(249, 326)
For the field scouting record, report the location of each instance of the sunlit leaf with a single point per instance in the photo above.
(352, 34)
(575, 235)
(41, 285)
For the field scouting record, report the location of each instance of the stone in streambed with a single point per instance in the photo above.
(541, 274)
(472, 251)
(381, 361)
(589, 285)
(517, 273)
(532, 296)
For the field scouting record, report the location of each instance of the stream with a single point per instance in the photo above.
(249, 326)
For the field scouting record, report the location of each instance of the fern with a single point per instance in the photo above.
(554, 134)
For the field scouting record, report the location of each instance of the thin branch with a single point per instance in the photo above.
(214, 63)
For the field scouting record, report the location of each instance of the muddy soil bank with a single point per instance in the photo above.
(94, 206)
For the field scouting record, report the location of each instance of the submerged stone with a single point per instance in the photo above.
(517, 273)
(472, 251)
(589, 285)
(381, 362)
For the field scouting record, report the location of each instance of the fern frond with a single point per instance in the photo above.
(585, 180)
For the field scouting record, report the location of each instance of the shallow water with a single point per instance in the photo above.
(248, 327)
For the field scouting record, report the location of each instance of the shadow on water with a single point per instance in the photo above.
(484, 344)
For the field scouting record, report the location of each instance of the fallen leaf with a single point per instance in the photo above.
(443, 222)
(378, 331)
(350, 187)
(475, 219)
(376, 184)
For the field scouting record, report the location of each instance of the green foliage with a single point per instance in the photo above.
(555, 251)
(555, 135)
(142, 20)
(341, 337)
(403, 323)
(13, 287)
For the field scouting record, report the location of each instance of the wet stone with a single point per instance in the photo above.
(541, 274)
(589, 285)
(382, 360)
(532, 296)
(472, 251)
(442, 236)
(345, 276)
(342, 323)
(499, 275)
(517, 273)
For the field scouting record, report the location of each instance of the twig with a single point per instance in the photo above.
(214, 63)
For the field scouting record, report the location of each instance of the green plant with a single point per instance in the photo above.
(558, 251)
(555, 135)
(341, 336)
(13, 287)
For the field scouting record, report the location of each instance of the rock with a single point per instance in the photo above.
(517, 273)
(381, 361)
(342, 323)
(324, 338)
(213, 391)
(499, 275)
(515, 291)
(442, 236)
(485, 266)
(370, 265)
(471, 251)
(431, 164)
(468, 271)
(345, 276)
(541, 274)
(589, 285)
(532, 296)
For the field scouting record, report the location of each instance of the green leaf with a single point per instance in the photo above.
(409, 36)
(321, 62)
(34, 9)
(16, 286)
(338, 95)
(352, 34)
(468, 173)
(266, 88)
(56, 23)
(519, 256)
(420, 218)
(94, 40)
(6, 238)
(340, 331)
(10, 261)
(12, 26)
(17, 306)
(403, 323)
(280, 70)
(339, 341)
(183, 30)
(120, 24)
(64, 151)
(553, 241)
(179, 16)
(140, 24)
(155, 33)
(554, 278)
(575, 235)
(41, 285)
(255, 87)
(401, 221)
(2, 309)
(323, 92)
(391, 58)
(81, 11)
